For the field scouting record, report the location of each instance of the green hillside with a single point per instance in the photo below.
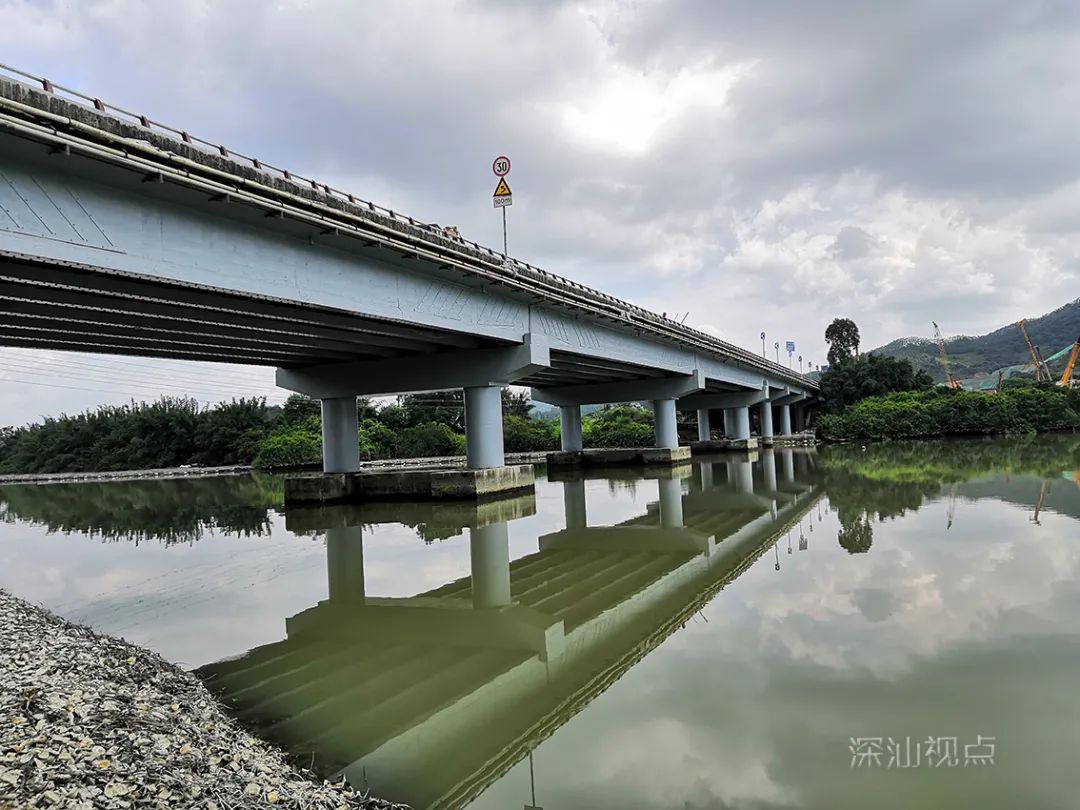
(988, 353)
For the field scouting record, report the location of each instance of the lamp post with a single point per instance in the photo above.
(762, 344)
(777, 347)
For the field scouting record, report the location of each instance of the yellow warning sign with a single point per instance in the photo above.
(502, 190)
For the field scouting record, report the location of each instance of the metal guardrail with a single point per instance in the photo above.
(665, 326)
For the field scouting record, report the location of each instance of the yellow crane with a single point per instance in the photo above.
(950, 381)
(1041, 372)
(1066, 378)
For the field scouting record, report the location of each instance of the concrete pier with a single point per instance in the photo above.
(341, 444)
(483, 427)
(570, 427)
(704, 429)
(785, 420)
(667, 435)
(765, 412)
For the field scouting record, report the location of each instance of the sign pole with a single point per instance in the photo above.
(502, 198)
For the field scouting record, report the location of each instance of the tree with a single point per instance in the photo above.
(445, 407)
(874, 375)
(516, 403)
(843, 338)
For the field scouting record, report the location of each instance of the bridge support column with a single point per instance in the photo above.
(345, 563)
(785, 420)
(573, 494)
(667, 435)
(742, 423)
(704, 429)
(765, 411)
(489, 560)
(729, 422)
(671, 506)
(570, 427)
(341, 443)
(483, 427)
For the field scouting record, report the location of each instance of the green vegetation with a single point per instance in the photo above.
(987, 353)
(168, 433)
(948, 412)
(842, 336)
(855, 380)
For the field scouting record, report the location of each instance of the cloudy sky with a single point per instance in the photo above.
(758, 165)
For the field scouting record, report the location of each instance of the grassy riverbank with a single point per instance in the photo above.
(90, 721)
(948, 412)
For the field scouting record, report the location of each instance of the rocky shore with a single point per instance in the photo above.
(88, 721)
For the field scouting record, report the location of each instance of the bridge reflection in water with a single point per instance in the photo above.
(430, 699)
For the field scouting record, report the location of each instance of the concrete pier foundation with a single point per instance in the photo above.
(449, 483)
(620, 457)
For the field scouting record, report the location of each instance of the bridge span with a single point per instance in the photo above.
(121, 235)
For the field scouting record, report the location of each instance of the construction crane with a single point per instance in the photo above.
(950, 381)
(1041, 372)
(1070, 365)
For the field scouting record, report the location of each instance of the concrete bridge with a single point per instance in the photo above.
(431, 698)
(121, 235)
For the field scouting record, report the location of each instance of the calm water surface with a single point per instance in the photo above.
(889, 628)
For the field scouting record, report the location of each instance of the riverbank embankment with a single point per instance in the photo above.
(90, 721)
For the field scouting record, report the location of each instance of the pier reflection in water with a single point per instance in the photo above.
(431, 698)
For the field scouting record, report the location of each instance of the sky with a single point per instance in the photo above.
(750, 165)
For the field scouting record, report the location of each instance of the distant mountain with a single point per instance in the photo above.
(972, 356)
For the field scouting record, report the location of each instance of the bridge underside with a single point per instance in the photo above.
(75, 307)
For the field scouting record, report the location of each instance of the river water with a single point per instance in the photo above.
(889, 627)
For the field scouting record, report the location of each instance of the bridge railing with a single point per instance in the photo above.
(508, 263)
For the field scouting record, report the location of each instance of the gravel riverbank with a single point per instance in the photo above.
(89, 721)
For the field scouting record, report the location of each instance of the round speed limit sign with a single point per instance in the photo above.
(501, 166)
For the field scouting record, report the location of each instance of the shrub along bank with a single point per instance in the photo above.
(949, 412)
